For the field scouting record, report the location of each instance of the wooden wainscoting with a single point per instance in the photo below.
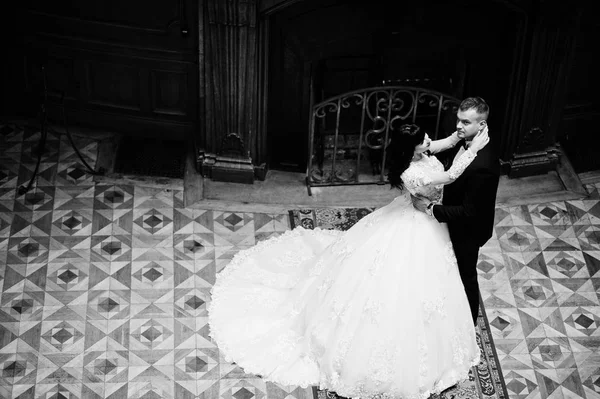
(131, 67)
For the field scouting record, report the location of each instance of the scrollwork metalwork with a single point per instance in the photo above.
(358, 100)
(397, 104)
(363, 119)
(394, 119)
(374, 134)
(344, 175)
(433, 101)
(381, 97)
(321, 111)
(397, 99)
(446, 104)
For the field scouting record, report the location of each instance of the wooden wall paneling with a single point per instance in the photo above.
(169, 92)
(113, 85)
(133, 71)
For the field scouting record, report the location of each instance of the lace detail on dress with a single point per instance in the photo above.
(381, 365)
(342, 351)
(290, 347)
(418, 175)
(423, 359)
(460, 348)
(330, 380)
(415, 177)
(450, 256)
(372, 309)
(460, 164)
(372, 218)
(293, 258)
(263, 297)
(243, 263)
(377, 262)
(269, 278)
(285, 344)
(317, 269)
(419, 172)
(342, 248)
(431, 307)
(317, 343)
(338, 312)
(242, 256)
(325, 285)
(296, 309)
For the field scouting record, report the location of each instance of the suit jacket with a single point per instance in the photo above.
(468, 206)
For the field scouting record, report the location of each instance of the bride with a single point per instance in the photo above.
(378, 311)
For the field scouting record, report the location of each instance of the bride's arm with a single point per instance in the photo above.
(444, 144)
(418, 180)
(460, 164)
(457, 168)
(423, 183)
(447, 143)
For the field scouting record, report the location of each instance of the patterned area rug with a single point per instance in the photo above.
(485, 380)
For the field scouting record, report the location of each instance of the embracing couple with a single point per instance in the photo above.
(387, 308)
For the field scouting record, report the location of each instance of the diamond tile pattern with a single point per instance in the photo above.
(103, 288)
(545, 325)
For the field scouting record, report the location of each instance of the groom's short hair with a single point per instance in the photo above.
(476, 103)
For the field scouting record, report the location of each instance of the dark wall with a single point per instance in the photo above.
(578, 132)
(127, 66)
(10, 71)
(454, 47)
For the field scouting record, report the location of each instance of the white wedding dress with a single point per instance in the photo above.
(378, 311)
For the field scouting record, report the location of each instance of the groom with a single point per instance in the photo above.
(469, 202)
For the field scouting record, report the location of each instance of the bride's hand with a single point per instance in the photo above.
(420, 203)
(480, 140)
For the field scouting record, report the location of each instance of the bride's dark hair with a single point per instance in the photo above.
(401, 150)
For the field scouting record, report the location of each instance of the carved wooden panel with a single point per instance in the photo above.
(169, 92)
(126, 66)
(59, 71)
(112, 85)
(120, 21)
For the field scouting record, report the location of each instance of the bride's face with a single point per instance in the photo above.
(424, 146)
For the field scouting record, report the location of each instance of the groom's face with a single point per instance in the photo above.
(468, 123)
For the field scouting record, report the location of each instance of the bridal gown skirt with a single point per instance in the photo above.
(375, 311)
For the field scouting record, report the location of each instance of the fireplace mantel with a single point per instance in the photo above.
(521, 71)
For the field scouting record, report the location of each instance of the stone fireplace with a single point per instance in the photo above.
(338, 46)
(515, 54)
(234, 78)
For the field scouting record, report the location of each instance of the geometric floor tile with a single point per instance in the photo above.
(520, 384)
(104, 287)
(582, 320)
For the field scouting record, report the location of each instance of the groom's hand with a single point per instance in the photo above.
(420, 203)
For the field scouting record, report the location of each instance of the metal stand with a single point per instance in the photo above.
(44, 135)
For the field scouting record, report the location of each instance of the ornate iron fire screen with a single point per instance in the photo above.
(348, 131)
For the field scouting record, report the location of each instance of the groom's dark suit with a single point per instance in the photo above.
(468, 208)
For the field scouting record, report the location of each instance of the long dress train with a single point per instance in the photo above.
(378, 311)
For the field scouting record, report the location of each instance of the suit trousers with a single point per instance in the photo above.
(467, 252)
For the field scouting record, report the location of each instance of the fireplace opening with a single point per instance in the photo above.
(326, 48)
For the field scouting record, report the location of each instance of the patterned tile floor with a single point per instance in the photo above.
(103, 288)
